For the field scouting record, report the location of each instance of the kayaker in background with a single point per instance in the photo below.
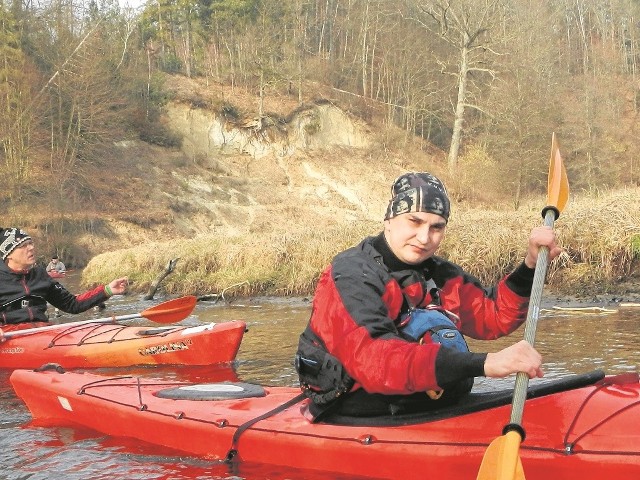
(385, 333)
(25, 288)
(55, 265)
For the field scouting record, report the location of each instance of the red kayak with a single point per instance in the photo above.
(580, 427)
(90, 345)
(56, 274)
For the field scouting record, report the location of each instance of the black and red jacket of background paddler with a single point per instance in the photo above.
(24, 296)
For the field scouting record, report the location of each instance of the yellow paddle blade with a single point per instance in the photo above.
(501, 460)
(558, 186)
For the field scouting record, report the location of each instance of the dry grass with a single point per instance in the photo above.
(600, 236)
(276, 265)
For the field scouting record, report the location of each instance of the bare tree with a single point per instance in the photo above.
(469, 28)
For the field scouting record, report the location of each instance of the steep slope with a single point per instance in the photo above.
(315, 165)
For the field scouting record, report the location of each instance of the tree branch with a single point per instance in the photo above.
(156, 283)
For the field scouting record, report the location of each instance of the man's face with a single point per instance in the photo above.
(414, 237)
(23, 257)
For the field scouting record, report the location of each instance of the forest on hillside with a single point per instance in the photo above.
(486, 81)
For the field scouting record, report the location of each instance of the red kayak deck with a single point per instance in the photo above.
(93, 345)
(590, 432)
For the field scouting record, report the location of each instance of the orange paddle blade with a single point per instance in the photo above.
(171, 311)
(558, 184)
(501, 460)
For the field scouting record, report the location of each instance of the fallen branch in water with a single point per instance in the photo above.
(216, 297)
(579, 310)
(156, 283)
(629, 305)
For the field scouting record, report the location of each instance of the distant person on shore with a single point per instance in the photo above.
(56, 266)
(25, 288)
(386, 330)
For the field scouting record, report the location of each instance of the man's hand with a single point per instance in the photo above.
(119, 286)
(521, 357)
(541, 236)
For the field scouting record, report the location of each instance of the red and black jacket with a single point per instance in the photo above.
(24, 296)
(361, 296)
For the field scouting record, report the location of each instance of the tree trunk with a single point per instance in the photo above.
(456, 136)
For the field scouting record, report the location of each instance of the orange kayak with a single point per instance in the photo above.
(92, 345)
(584, 426)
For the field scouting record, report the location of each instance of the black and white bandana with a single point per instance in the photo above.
(10, 239)
(418, 192)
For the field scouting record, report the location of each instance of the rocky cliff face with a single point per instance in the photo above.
(314, 128)
(320, 166)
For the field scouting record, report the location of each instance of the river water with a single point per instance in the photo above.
(571, 342)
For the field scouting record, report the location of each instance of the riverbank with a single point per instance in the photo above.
(600, 235)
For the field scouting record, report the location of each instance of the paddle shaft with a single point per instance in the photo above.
(27, 331)
(522, 379)
(167, 312)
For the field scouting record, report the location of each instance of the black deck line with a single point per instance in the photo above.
(473, 402)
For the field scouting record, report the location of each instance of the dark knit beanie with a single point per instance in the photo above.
(10, 239)
(418, 192)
